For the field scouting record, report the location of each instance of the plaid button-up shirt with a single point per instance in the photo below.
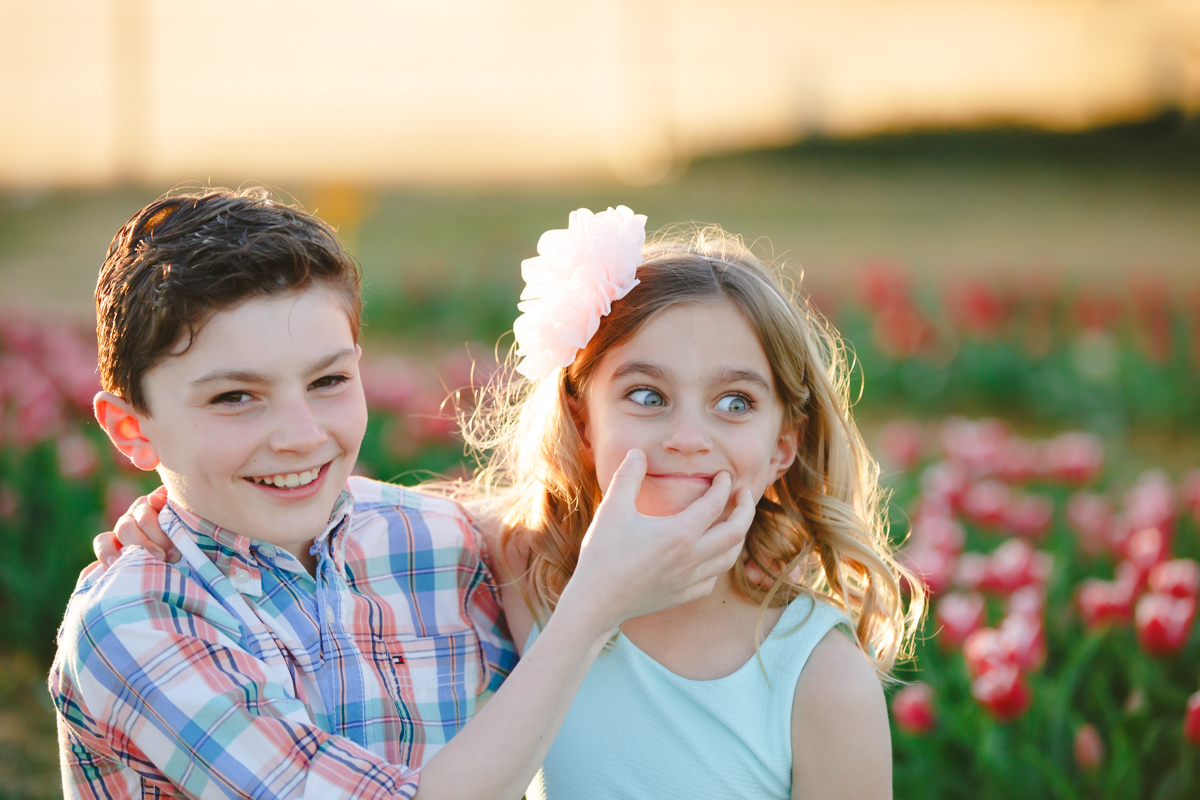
(235, 673)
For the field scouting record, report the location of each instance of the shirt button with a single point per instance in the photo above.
(241, 574)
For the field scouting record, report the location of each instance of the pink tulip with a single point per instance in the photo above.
(943, 482)
(976, 446)
(1089, 515)
(8, 503)
(1002, 691)
(1178, 578)
(940, 533)
(912, 708)
(900, 444)
(1164, 623)
(1015, 564)
(933, 567)
(1150, 503)
(1191, 720)
(77, 456)
(1146, 548)
(1074, 457)
(1028, 601)
(1029, 516)
(1189, 492)
(119, 496)
(389, 384)
(958, 615)
(1089, 749)
(986, 503)
(1018, 460)
(971, 571)
(1026, 638)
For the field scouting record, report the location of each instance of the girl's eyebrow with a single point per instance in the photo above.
(641, 368)
(742, 376)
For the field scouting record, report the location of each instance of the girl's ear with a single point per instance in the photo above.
(580, 419)
(786, 449)
(124, 426)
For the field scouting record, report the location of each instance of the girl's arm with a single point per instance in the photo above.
(841, 742)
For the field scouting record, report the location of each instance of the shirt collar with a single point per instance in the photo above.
(238, 557)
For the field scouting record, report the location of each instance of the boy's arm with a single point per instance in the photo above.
(165, 692)
(629, 565)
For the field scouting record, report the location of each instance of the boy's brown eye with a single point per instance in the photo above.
(327, 381)
(231, 398)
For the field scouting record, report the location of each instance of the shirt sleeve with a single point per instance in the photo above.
(487, 618)
(169, 694)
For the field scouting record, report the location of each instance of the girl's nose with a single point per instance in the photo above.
(297, 429)
(687, 436)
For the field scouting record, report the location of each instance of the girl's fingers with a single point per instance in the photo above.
(707, 509)
(627, 481)
(729, 534)
(106, 547)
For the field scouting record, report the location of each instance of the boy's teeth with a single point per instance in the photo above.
(289, 480)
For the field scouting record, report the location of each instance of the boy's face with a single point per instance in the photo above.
(257, 426)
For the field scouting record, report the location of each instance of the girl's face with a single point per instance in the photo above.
(693, 390)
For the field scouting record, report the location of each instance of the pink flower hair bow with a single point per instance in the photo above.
(572, 283)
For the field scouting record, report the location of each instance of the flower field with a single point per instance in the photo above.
(1061, 657)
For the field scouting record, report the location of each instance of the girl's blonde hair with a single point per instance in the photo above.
(819, 530)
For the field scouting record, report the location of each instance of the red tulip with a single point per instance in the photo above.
(987, 649)
(977, 308)
(1029, 515)
(883, 285)
(1002, 691)
(901, 331)
(986, 503)
(959, 615)
(390, 384)
(1145, 548)
(1104, 602)
(1074, 457)
(1191, 720)
(1164, 623)
(900, 443)
(912, 708)
(1178, 578)
(1015, 564)
(1089, 749)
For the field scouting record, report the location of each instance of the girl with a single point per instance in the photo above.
(692, 350)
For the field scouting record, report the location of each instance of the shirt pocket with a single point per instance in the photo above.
(441, 674)
(160, 789)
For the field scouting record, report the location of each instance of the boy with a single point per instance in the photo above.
(321, 636)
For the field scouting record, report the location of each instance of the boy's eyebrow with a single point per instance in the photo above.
(247, 376)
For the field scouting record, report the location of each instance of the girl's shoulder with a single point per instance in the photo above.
(841, 742)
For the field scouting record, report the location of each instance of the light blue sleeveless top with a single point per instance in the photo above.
(639, 731)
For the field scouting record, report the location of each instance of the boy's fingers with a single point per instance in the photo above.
(145, 517)
(627, 480)
(707, 509)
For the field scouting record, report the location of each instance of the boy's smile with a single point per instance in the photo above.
(257, 425)
(693, 390)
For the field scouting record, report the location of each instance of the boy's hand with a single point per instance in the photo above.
(631, 564)
(138, 527)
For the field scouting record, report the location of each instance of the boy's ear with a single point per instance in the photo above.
(124, 426)
(786, 449)
(579, 417)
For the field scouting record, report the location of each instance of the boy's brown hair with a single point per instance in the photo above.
(183, 258)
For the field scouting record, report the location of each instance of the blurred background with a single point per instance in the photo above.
(997, 202)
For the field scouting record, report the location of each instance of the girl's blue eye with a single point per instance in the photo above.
(734, 404)
(647, 397)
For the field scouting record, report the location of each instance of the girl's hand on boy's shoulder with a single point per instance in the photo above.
(138, 527)
(631, 564)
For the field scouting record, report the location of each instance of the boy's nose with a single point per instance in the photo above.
(297, 429)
